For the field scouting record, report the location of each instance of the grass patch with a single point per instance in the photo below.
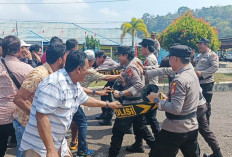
(96, 84)
(219, 77)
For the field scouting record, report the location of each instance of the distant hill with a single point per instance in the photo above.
(219, 16)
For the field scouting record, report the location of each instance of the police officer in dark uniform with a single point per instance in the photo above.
(180, 128)
(147, 50)
(104, 62)
(133, 82)
(207, 64)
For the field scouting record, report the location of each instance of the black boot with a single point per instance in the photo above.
(101, 116)
(105, 123)
(216, 153)
(135, 149)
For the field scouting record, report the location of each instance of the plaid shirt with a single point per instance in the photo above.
(59, 98)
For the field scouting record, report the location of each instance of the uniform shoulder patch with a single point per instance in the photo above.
(146, 62)
(130, 72)
(173, 88)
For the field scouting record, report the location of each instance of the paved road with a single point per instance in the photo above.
(221, 122)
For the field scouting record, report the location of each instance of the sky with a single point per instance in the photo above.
(105, 14)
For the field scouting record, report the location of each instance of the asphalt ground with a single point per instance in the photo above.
(99, 137)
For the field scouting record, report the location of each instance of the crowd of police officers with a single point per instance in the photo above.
(186, 104)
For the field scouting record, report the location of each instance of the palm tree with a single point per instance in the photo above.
(134, 26)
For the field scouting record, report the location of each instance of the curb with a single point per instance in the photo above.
(218, 87)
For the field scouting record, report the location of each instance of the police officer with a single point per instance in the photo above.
(104, 62)
(133, 82)
(157, 44)
(204, 128)
(150, 62)
(207, 64)
(179, 129)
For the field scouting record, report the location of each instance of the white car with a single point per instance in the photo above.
(228, 56)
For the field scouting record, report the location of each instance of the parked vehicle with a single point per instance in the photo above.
(228, 56)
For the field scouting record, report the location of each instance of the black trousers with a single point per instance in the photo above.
(121, 126)
(107, 112)
(5, 131)
(208, 94)
(205, 130)
(168, 143)
(151, 120)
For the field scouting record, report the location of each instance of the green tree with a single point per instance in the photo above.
(134, 26)
(187, 30)
(91, 43)
(214, 15)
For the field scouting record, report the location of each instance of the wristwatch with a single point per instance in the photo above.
(156, 100)
(94, 92)
(121, 93)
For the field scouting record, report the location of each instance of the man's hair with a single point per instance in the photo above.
(55, 40)
(10, 45)
(184, 60)
(150, 48)
(71, 44)
(54, 52)
(35, 48)
(75, 58)
(100, 54)
(1, 41)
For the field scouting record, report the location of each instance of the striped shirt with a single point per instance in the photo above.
(59, 98)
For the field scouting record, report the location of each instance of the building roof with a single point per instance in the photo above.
(31, 31)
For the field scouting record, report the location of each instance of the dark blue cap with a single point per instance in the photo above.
(123, 50)
(182, 51)
(203, 40)
(148, 42)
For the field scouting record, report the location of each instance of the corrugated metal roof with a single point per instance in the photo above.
(44, 31)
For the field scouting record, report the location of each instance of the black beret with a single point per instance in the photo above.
(203, 40)
(148, 41)
(123, 50)
(182, 51)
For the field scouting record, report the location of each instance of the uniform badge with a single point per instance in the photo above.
(146, 62)
(130, 72)
(173, 88)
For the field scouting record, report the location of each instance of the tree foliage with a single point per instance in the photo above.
(132, 27)
(218, 16)
(91, 43)
(187, 30)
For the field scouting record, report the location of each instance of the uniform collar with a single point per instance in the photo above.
(187, 67)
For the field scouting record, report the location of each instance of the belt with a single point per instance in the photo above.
(180, 117)
(132, 99)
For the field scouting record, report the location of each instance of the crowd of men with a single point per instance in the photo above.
(42, 97)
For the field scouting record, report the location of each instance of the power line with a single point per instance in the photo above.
(55, 21)
(36, 3)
